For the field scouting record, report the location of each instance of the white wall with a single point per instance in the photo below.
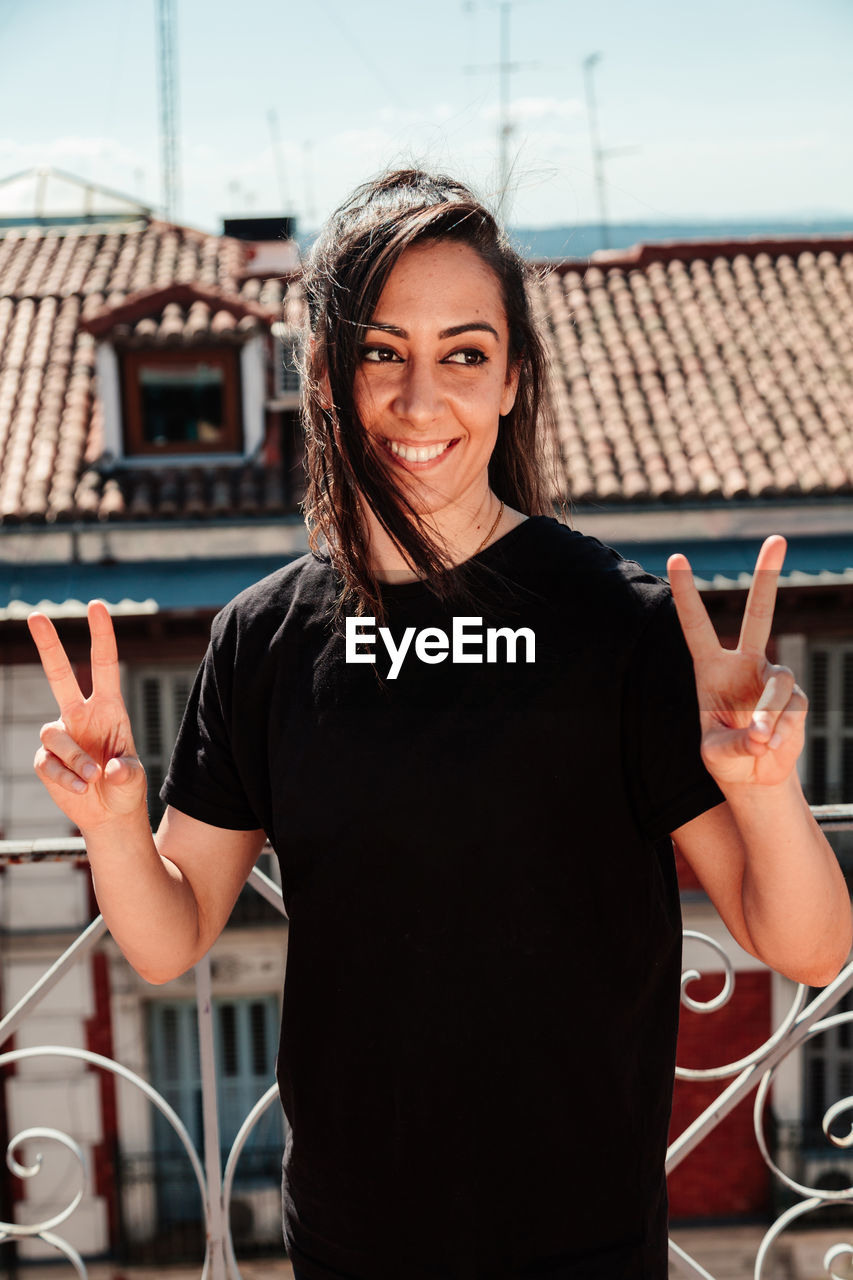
(26, 702)
(42, 907)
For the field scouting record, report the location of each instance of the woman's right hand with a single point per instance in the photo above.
(87, 760)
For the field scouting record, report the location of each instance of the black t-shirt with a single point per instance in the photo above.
(481, 998)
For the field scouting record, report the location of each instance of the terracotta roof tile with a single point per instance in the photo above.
(733, 375)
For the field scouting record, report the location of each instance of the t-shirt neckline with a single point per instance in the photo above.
(494, 551)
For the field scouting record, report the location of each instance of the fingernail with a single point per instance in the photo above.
(78, 785)
(761, 723)
(89, 771)
(775, 741)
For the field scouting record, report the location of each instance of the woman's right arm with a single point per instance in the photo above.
(165, 898)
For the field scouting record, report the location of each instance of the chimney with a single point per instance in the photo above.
(270, 247)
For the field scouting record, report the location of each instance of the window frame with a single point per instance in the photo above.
(169, 680)
(225, 358)
(834, 731)
(169, 702)
(236, 1094)
(828, 1070)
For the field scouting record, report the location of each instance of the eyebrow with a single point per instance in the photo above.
(475, 326)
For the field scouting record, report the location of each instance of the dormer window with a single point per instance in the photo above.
(181, 402)
(182, 373)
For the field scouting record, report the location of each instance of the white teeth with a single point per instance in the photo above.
(410, 454)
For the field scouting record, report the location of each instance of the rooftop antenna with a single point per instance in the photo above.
(504, 119)
(505, 67)
(278, 156)
(168, 107)
(599, 153)
(308, 179)
(589, 64)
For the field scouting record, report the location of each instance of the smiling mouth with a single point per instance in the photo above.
(418, 453)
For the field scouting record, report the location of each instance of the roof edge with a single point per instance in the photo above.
(641, 255)
(149, 302)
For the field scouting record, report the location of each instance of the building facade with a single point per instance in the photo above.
(702, 398)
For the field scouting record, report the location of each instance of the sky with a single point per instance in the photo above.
(716, 110)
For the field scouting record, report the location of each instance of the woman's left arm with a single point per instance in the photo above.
(760, 856)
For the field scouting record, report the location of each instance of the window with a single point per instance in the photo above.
(830, 772)
(245, 1035)
(288, 349)
(829, 756)
(158, 698)
(828, 1075)
(290, 377)
(180, 402)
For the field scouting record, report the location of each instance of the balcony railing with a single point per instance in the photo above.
(215, 1176)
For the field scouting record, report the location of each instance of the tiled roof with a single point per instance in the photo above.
(680, 374)
(147, 283)
(705, 372)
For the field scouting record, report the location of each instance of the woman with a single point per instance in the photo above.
(469, 733)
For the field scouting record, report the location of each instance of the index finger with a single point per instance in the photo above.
(54, 661)
(697, 627)
(105, 669)
(758, 615)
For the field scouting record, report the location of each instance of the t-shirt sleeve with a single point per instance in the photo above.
(667, 779)
(203, 779)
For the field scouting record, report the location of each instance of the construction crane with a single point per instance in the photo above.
(167, 41)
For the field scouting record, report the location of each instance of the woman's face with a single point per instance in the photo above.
(434, 377)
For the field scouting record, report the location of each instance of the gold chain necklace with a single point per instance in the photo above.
(491, 531)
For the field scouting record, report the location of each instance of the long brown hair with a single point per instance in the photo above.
(345, 274)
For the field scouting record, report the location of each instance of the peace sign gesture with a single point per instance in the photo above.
(751, 712)
(87, 759)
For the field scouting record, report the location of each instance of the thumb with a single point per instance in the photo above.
(734, 744)
(120, 770)
(124, 784)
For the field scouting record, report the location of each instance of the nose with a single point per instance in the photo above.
(418, 397)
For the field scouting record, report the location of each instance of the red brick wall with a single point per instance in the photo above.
(725, 1176)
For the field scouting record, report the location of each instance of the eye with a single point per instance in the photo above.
(470, 356)
(379, 355)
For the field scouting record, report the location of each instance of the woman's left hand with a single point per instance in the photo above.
(752, 713)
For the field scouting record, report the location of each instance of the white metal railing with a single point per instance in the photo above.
(802, 1021)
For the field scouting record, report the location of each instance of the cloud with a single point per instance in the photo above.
(71, 152)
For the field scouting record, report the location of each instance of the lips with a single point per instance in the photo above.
(417, 453)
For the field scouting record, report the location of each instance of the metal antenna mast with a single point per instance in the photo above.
(168, 108)
(278, 157)
(504, 121)
(597, 151)
(505, 68)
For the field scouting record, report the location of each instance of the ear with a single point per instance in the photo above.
(510, 388)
